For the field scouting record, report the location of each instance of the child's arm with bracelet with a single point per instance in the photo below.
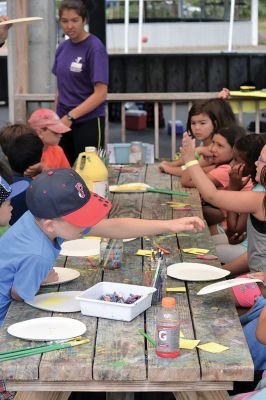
(249, 202)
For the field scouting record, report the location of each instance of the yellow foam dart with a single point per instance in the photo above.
(143, 187)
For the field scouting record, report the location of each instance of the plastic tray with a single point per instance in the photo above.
(91, 305)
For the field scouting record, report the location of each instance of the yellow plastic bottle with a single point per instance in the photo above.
(94, 172)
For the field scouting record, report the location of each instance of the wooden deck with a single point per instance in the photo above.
(118, 358)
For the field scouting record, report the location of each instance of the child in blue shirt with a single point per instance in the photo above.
(7, 192)
(61, 207)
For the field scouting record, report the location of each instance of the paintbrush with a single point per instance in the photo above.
(152, 341)
(27, 352)
(109, 253)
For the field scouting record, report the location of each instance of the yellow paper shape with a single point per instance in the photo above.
(188, 343)
(181, 334)
(146, 253)
(178, 204)
(176, 289)
(195, 250)
(213, 347)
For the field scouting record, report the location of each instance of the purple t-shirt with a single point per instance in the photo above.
(78, 66)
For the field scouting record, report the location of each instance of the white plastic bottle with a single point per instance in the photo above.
(167, 329)
(94, 172)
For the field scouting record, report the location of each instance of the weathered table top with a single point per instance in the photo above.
(118, 358)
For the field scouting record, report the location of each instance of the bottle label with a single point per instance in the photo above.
(100, 188)
(167, 338)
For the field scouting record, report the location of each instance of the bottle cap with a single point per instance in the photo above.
(89, 149)
(168, 302)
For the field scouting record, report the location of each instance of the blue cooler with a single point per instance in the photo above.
(179, 128)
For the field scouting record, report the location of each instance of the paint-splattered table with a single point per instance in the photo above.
(118, 359)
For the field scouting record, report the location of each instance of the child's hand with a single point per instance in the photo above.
(236, 238)
(162, 166)
(188, 148)
(4, 28)
(258, 275)
(236, 178)
(193, 224)
(224, 94)
(51, 277)
(34, 170)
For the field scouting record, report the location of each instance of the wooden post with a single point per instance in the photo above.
(17, 57)
(22, 49)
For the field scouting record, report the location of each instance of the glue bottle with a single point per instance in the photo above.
(94, 172)
(167, 329)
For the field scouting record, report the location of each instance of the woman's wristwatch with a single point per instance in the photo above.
(70, 117)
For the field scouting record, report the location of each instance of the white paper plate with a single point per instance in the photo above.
(57, 301)
(188, 271)
(215, 287)
(64, 275)
(48, 328)
(18, 20)
(81, 247)
(137, 187)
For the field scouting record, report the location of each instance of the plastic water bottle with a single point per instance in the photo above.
(136, 153)
(94, 172)
(167, 329)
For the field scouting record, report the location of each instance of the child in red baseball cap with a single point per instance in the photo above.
(61, 207)
(50, 129)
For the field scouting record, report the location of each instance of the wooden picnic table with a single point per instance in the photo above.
(118, 358)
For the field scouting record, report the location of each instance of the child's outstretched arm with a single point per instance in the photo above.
(122, 228)
(249, 202)
(171, 168)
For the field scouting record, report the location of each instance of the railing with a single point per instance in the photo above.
(22, 102)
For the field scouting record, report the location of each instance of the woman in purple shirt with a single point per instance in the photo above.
(81, 69)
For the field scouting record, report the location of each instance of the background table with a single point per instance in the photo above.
(118, 358)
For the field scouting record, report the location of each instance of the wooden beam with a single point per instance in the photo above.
(42, 396)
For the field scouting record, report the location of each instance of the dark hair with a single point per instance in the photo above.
(232, 133)
(5, 173)
(81, 8)
(218, 110)
(263, 181)
(10, 132)
(250, 147)
(25, 151)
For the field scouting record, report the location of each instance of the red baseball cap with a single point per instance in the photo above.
(46, 118)
(62, 193)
